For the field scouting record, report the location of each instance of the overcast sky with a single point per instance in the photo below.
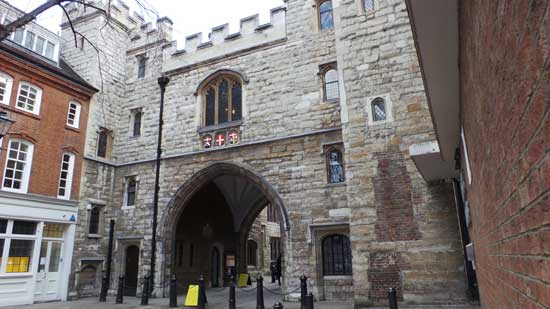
(189, 16)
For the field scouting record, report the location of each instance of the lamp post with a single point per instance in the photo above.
(162, 81)
(5, 123)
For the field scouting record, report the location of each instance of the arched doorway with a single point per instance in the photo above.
(215, 267)
(218, 205)
(131, 270)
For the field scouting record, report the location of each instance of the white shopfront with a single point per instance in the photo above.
(36, 244)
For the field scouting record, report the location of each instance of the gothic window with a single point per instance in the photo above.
(142, 62)
(104, 142)
(6, 83)
(29, 98)
(336, 250)
(326, 20)
(252, 253)
(379, 110)
(329, 75)
(131, 189)
(222, 101)
(335, 166)
(136, 122)
(66, 176)
(95, 216)
(368, 5)
(73, 115)
(18, 166)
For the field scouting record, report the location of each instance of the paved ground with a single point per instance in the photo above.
(217, 298)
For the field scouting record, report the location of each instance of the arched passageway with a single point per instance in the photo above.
(211, 220)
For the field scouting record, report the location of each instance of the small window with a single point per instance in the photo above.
(142, 62)
(336, 255)
(95, 216)
(18, 166)
(130, 192)
(29, 98)
(136, 122)
(252, 253)
(50, 49)
(275, 246)
(222, 101)
(29, 40)
(104, 142)
(18, 35)
(73, 115)
(66, 176)
(368, 5)
(330, 83)
(335, 166)
(53, 230)
(272, 215)
(380, 109)
(39, 47)
(6, 83)
(326, 19)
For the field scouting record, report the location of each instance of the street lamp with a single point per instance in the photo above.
(5, 123)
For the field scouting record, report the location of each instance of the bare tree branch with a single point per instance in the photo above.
(70, 24)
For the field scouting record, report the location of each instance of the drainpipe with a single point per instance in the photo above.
(162, 81)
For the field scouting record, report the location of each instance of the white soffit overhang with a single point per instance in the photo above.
(435, 27)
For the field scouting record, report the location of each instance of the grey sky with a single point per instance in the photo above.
(189, 16)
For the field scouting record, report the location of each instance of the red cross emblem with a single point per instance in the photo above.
(233, 137)
(220, 139)
(207, 141)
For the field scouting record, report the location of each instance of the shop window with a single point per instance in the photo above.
(24, 228)
(53, 230)
(336, 255)
(20, 255)
(3, 227)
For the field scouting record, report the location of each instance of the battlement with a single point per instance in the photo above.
(119, 12)
(221, 43)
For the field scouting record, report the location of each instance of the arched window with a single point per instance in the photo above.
(330, 80)
(95, 214)
(18, 166)
(336, 255)
(73, 115)
(131, 188)
(104, 143)
(335, 166)
(66, 176)
(379, 111)
(6, 82)
(326, 20)
(252, 253)
(222, 100)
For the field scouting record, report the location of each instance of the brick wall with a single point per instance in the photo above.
(505, 91)
(47, 131)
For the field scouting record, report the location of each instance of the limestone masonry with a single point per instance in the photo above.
(400, 230)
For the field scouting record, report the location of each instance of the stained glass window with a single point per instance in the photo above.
(335, 166)
(325, 15)
(223, 102)
(336, 255)
(379, 109)
(210, 107)
(236, 99)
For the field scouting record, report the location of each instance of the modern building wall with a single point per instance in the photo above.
(505, 91)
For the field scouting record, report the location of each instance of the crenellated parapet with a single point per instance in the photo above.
(140, 31)
(221, 43)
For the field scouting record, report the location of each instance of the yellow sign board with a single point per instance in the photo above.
(243, 280)
(192, 298)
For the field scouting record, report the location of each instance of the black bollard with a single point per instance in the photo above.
(202, 293)
(145, 292)
(303, 291)
(120, 289)
(309, 301)
(278, 305)
(392, 298)
(232, 299)
(173, 292)
(104, 289)
(260, 293)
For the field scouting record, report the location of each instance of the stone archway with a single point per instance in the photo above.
(246, 194)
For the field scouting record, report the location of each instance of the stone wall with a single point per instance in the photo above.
(505, 88)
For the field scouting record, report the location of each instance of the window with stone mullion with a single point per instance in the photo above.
(223, 102)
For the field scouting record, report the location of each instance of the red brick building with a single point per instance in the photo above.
(40, 164)
(486, 67)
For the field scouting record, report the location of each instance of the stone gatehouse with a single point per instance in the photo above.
(312, 114)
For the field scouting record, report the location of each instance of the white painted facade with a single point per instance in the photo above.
(49, 259)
